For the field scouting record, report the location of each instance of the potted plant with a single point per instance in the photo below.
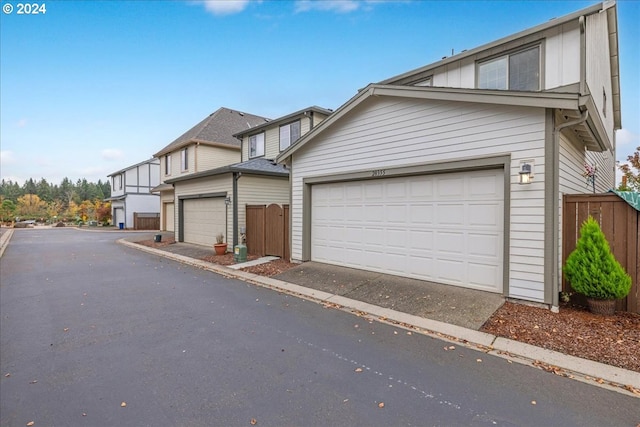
(220, 246)
(594, 272)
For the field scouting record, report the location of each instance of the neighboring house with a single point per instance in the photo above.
(214, 201)
(420, 175)
(208, 145)
(131, 192)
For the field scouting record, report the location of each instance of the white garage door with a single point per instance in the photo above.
(169, 217)
(446, 228)
(203, 219)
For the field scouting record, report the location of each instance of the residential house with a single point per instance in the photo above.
(131, 192)
(214, 201)
(208, 145)
(454, 172)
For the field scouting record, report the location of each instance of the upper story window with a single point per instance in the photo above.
(167, 164)
(289, 134)
(515, 71)
(256, 145)
(117, 182)
(184, 160)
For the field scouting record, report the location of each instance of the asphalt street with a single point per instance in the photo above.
(93, 333)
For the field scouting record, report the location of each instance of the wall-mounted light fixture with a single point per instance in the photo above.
(227, 201)
(526, 171)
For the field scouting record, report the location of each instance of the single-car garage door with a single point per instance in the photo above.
(203, 219)
(446, 228)
(169, 216)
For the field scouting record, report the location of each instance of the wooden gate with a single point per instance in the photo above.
(146, 221)
(268, 230)
(620, 224)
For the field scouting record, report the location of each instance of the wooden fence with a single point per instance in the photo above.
(620, 224)
(268, 230)
(146, 221)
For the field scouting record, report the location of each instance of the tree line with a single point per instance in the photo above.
(43, 201)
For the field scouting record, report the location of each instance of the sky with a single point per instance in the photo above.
(90, 87)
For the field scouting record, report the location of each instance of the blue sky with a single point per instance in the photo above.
(91, 87)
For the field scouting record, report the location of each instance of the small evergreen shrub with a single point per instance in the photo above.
(592, 269)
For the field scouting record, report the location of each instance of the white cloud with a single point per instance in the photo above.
(112, 154)
(21, 123)
(340, 6)
(224, 7)
(7, 158)
(624, 137)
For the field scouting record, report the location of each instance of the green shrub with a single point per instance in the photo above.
(592, 269)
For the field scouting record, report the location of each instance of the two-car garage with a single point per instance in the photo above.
(446, 227)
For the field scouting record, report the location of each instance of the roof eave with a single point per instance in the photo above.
(569, 101)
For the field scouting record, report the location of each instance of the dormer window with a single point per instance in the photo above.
(518, 70)
(289, 134)
(256, 145)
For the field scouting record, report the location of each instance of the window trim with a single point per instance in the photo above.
(252, 156)
(184, 159)
(167, 165)
(511, 51)
(288, 126)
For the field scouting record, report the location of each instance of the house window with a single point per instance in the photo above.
(167, 165)
(184, 160)
(117, 182)
(515, 71)
(289, 134)
(256, 145)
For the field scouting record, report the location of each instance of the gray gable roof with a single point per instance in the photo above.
(216, 129)
(259, 166)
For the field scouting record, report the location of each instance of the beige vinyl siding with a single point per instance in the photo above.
(208, 158)
(217, 184)
(598, 68)
(260, 190)
(272, 136)
(388, 132)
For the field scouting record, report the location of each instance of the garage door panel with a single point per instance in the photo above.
(451, 214)
(445, 228)
(203, 220)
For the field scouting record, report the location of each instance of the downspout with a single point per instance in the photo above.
(234, 201)
(583, 56)
(555, 185)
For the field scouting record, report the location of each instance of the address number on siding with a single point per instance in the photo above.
(378, 172)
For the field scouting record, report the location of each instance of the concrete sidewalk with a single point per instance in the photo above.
(449, 313)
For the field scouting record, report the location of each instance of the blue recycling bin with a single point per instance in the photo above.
(121, 225)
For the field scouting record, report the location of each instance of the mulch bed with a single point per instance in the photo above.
(614, 340)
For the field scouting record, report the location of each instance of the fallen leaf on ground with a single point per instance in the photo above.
(358, 369)
(123, 404)
(30, 423)
(7, 375)
(254, 421)
(33, 382)
(381, 405)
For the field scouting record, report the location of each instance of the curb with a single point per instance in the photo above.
(4, 241)
(617, 379)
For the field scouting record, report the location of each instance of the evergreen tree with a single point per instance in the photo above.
(592, 269)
